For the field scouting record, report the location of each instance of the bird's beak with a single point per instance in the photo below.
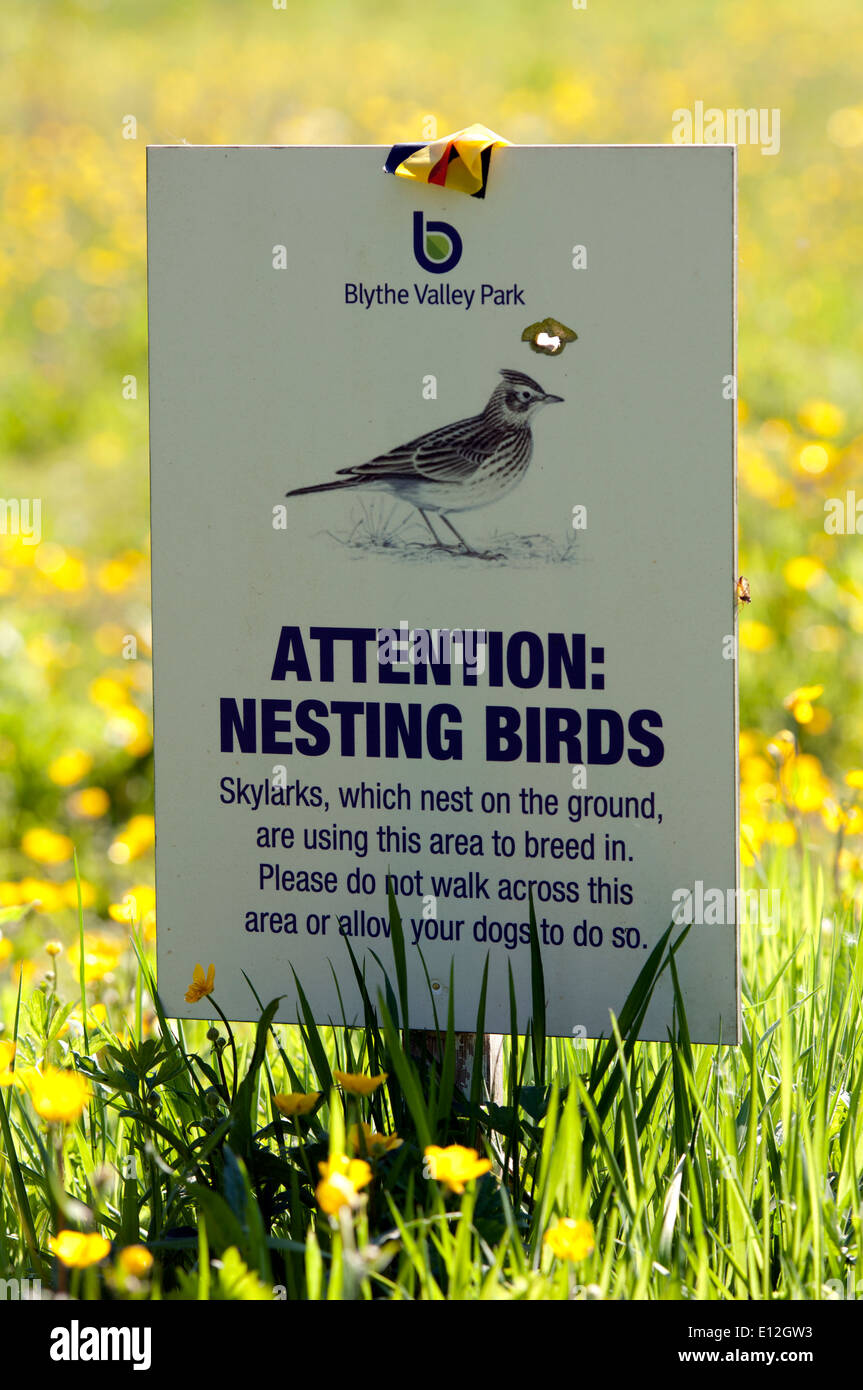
(553, 398)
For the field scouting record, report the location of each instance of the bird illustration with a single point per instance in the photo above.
(467, 464)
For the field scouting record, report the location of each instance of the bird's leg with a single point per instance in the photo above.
(480, 554)
(438, 542)
(459, 538)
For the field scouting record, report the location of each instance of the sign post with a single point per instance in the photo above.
(443, 520)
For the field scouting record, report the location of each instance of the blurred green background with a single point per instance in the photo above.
(75, 734)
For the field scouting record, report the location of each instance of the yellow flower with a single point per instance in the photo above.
(136, 839)
(59, 1097)
(77, 1250)
(54, 948)
(90, 803)
(804, 782)
(455, 1165)
(783, 746)
(6, 950)
(363, 1139)
(297, 1102)
(7, 1075)
(569, 1239)
(803, 572)
(341, 1180)
(815, 458)
(800, 702)
(201, 984)
(135, 905)
(46, 847)
(358, 1085)
(755, 636)
(101, 955)
(135, 1260)
(108, 693)
(854, 779)
(70, 767)
(822, 417)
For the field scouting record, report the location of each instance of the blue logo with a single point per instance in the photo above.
(437, 245)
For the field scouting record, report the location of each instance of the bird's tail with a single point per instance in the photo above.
(325, 487)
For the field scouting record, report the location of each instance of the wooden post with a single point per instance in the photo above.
(424, 1044)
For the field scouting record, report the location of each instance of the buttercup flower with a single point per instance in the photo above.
(46, 846)
(297, 1102)
(455, 1165)
(341, 1180)
(59, 1097)
(800, 702)
(358, 1085)
(363, 1139)
(7, 1075)
(54, 948)
(201, 984)
(570, 1240)
(77, 1250)
(135, 1260)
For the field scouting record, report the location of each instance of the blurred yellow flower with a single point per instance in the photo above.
(780, 832)
(570, 1240)
(77, 1250)
(822, 417)
(799, 702)
(90, 803)
(815, 458)
(59, 1097)
(6, 950)
(70, 767)
(854, 778)
(54, 948)
(804, 783)
(803, 572)
(45, 896)
(202, 984)
(129, 728)
(364, 1140)
(135, 1261)
(755, 636)
(747, 742)
(115, 575)
(7, 1053)
(108, 693)
(341, 1180)
(358, 1085)
(138, 836)
(101, 955)
(46, 846)
(69, 891)
(97, 1018)
(71, 576)
(135, 905)
(296, 1102)
(455, 1165)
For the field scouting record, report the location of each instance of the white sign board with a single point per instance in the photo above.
(487, 643)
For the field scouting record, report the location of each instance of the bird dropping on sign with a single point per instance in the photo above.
(436, 603)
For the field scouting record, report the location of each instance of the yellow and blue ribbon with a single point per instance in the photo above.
(460, 161)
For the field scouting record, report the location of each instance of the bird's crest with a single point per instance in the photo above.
(520, 379)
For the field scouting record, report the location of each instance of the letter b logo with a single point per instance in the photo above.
(437, 245)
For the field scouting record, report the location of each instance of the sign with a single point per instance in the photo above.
(444, 582)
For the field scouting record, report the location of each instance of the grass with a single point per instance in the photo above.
(704, 1172)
